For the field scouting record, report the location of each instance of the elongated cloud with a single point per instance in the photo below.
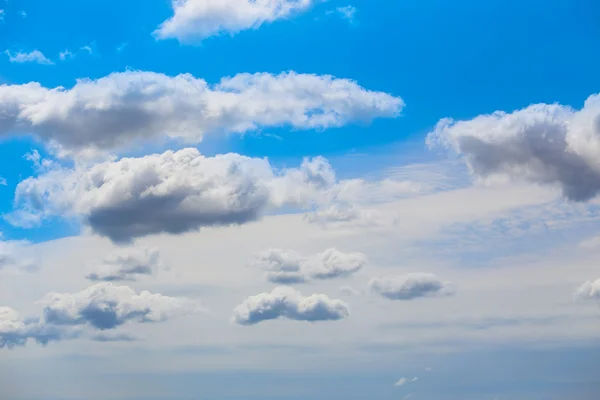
(34, 56)
(546, 144)
(195, 20)
(114, 111)
(286, 266)
(106, 306)
(16, 331)
(126, 265)
(285, 302)
(176, 192)
(411, 286)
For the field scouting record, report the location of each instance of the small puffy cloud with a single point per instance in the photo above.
(176, 192)
(20, 57)
(590, 290)
(285, 302)
(64, 55)
(106, 306)
(411, 286)
(126, 265)
(3, 181)
(546, 144)
(115, 111)
(195, 20)
(287, 267)
(402, 381)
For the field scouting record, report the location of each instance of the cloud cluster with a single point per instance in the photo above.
(181, 191)
(590, 290)
(194, 20)
(411, 286)
(287, 267)
(285, 302)
(126, 265)
(112, 112)
(544, 144)
(100, 307)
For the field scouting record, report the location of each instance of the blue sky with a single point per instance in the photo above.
(461, 252)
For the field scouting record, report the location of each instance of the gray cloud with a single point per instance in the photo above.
(13, 256)
(195, 20)
(126, 265)
(544, 144)
(410, 286)
(16, 331)
(287, 267)
(177, 192)
(122, 108)
(285, 302)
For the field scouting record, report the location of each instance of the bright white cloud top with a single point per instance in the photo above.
(195, 20)
(114, 111)
(590, 290)
(287, 303)
(546, 144)
(411, 286)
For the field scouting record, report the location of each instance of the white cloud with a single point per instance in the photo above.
(126, 264)
(176, 192)
(590, 290)
(410, 286)
(544, 144)
(34, 56)
(16, 331)
(285, 302)
(14, 255)
(106, 306)
(347, 12)
(63, 55)
(3, 181)
(87, 48)
(195, 20)
(121, 108)
(287, 267)
(402, 381)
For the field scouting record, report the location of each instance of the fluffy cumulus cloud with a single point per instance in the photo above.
(106, 306)
(287, 267)
(411, 286)
(194, 20)
(590, 290)
(126, 265)
(101, 307)
(544, 144)
(179, 191)
(34, 56)
(285, 302)
(112, 112)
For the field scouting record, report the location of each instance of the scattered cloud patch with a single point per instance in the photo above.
(347, 12)
(287, 267)
(117, 110)
(64, 55)
(20, 57)
(195, 20)
(286, 303)
(411, 286)
(402, 381)
(546, 144)
(121, 47)
(127, 264)
(3, 181)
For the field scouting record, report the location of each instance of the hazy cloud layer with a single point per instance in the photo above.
(547, 144)
(287, 267)
(126, 265)
(13, 255)
(194, 20)
(114, 111)
(410, 286)
(180, 191)
(285, 302)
